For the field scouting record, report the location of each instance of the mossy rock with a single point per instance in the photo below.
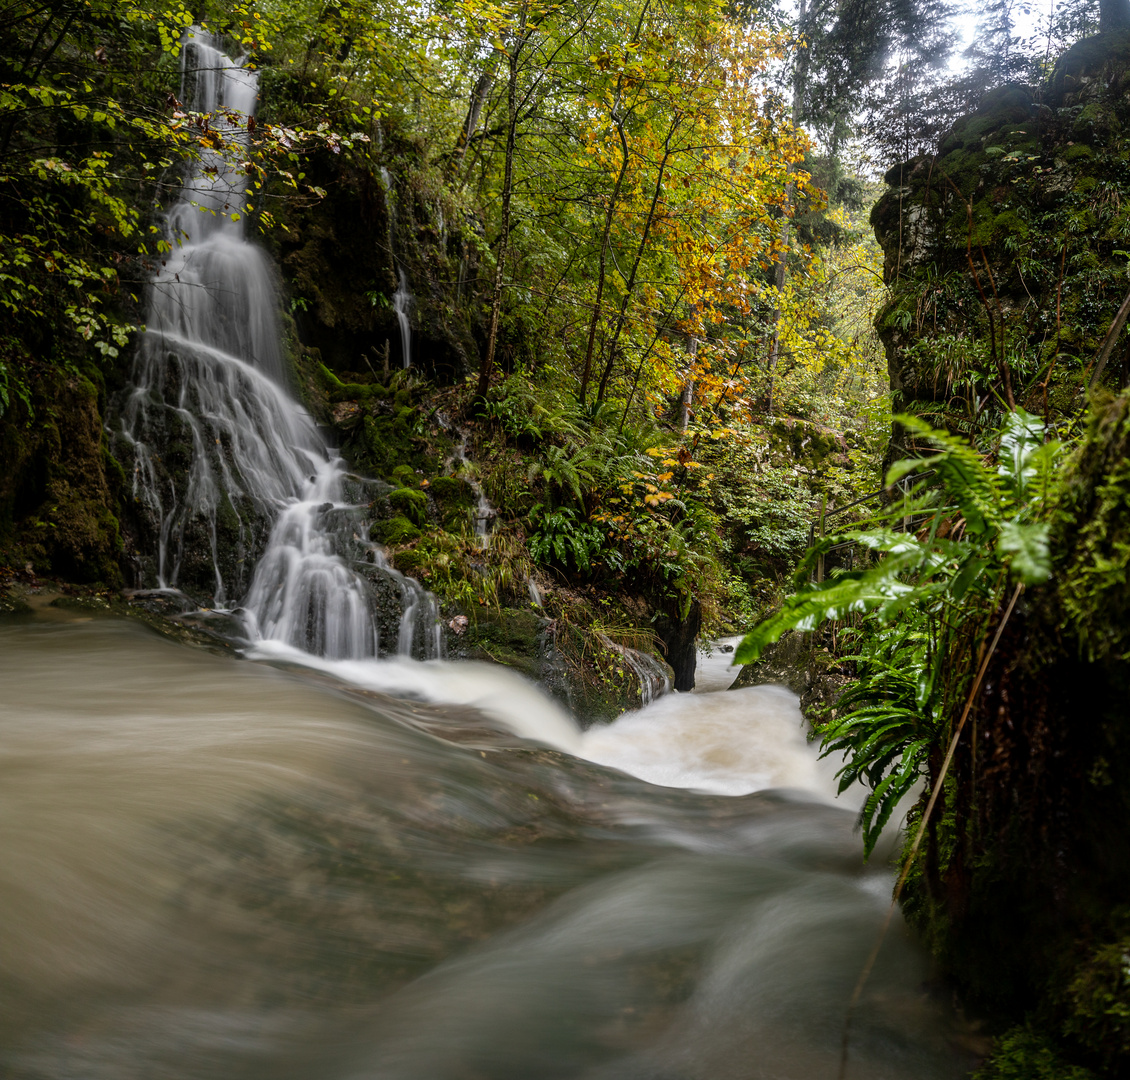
(381, 443)
(805, 664)
(1096, 124)
(963, 168)
(405, 476)
(450, 491)
(1078, 152)
(1009, 224)
(411, 504)
(58, 488)
(397, 530)
(412, 560)
(13, 606)
(509, 637)
(348, 391)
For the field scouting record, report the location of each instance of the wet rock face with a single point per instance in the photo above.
(1003, 243)
(341, 259)
(58, 483)
(806, 665)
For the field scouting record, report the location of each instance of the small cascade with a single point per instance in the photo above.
(402, 302)
(653, 677)
(484, 513)
(403, 299)
(225, 460)
(535, 592)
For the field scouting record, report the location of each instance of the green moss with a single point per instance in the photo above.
(1078, 152)
(412, 561)
(1092, 535)
(963, 168)
(1096, 124)
(410, 504)
(405, 476)
(341, 391)
(451, 491)
(1009, 223)
(397, 530)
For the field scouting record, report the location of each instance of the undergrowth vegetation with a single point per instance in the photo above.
(939, 560)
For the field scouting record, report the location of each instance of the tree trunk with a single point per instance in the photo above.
(586, 374)
(800, 81)
(679, 637)
(687, 398)
(487, 365)
(471, 122)
(630, 284)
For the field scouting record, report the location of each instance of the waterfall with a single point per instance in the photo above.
(224, 458)
(652, 675)
(402, 304)
(484, 513)
(402, 299)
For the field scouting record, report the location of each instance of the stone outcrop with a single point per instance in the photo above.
(1005, 251)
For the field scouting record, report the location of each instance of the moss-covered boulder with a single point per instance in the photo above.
(1003, 248)
(411, 504)
(454, 498)
(396, 530)
(807, 665)
(405, 476)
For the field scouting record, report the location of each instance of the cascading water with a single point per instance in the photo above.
(484, 513)
(653, 676)
(242, 467)
(402, 299)
(402, 305)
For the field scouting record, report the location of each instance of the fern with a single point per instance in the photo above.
(927, 595)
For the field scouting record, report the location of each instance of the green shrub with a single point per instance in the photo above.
(1022, 1054)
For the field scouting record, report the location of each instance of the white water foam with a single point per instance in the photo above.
(728, 743)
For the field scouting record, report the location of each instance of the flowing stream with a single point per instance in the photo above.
(308, 862)
(402, 871)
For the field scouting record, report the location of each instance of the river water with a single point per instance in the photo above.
(214, 867)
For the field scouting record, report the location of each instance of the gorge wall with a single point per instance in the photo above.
(1005, 250)
(1006, 256)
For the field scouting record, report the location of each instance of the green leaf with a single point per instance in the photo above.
(833, 599)
(1028, 546)
(1021, 437)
